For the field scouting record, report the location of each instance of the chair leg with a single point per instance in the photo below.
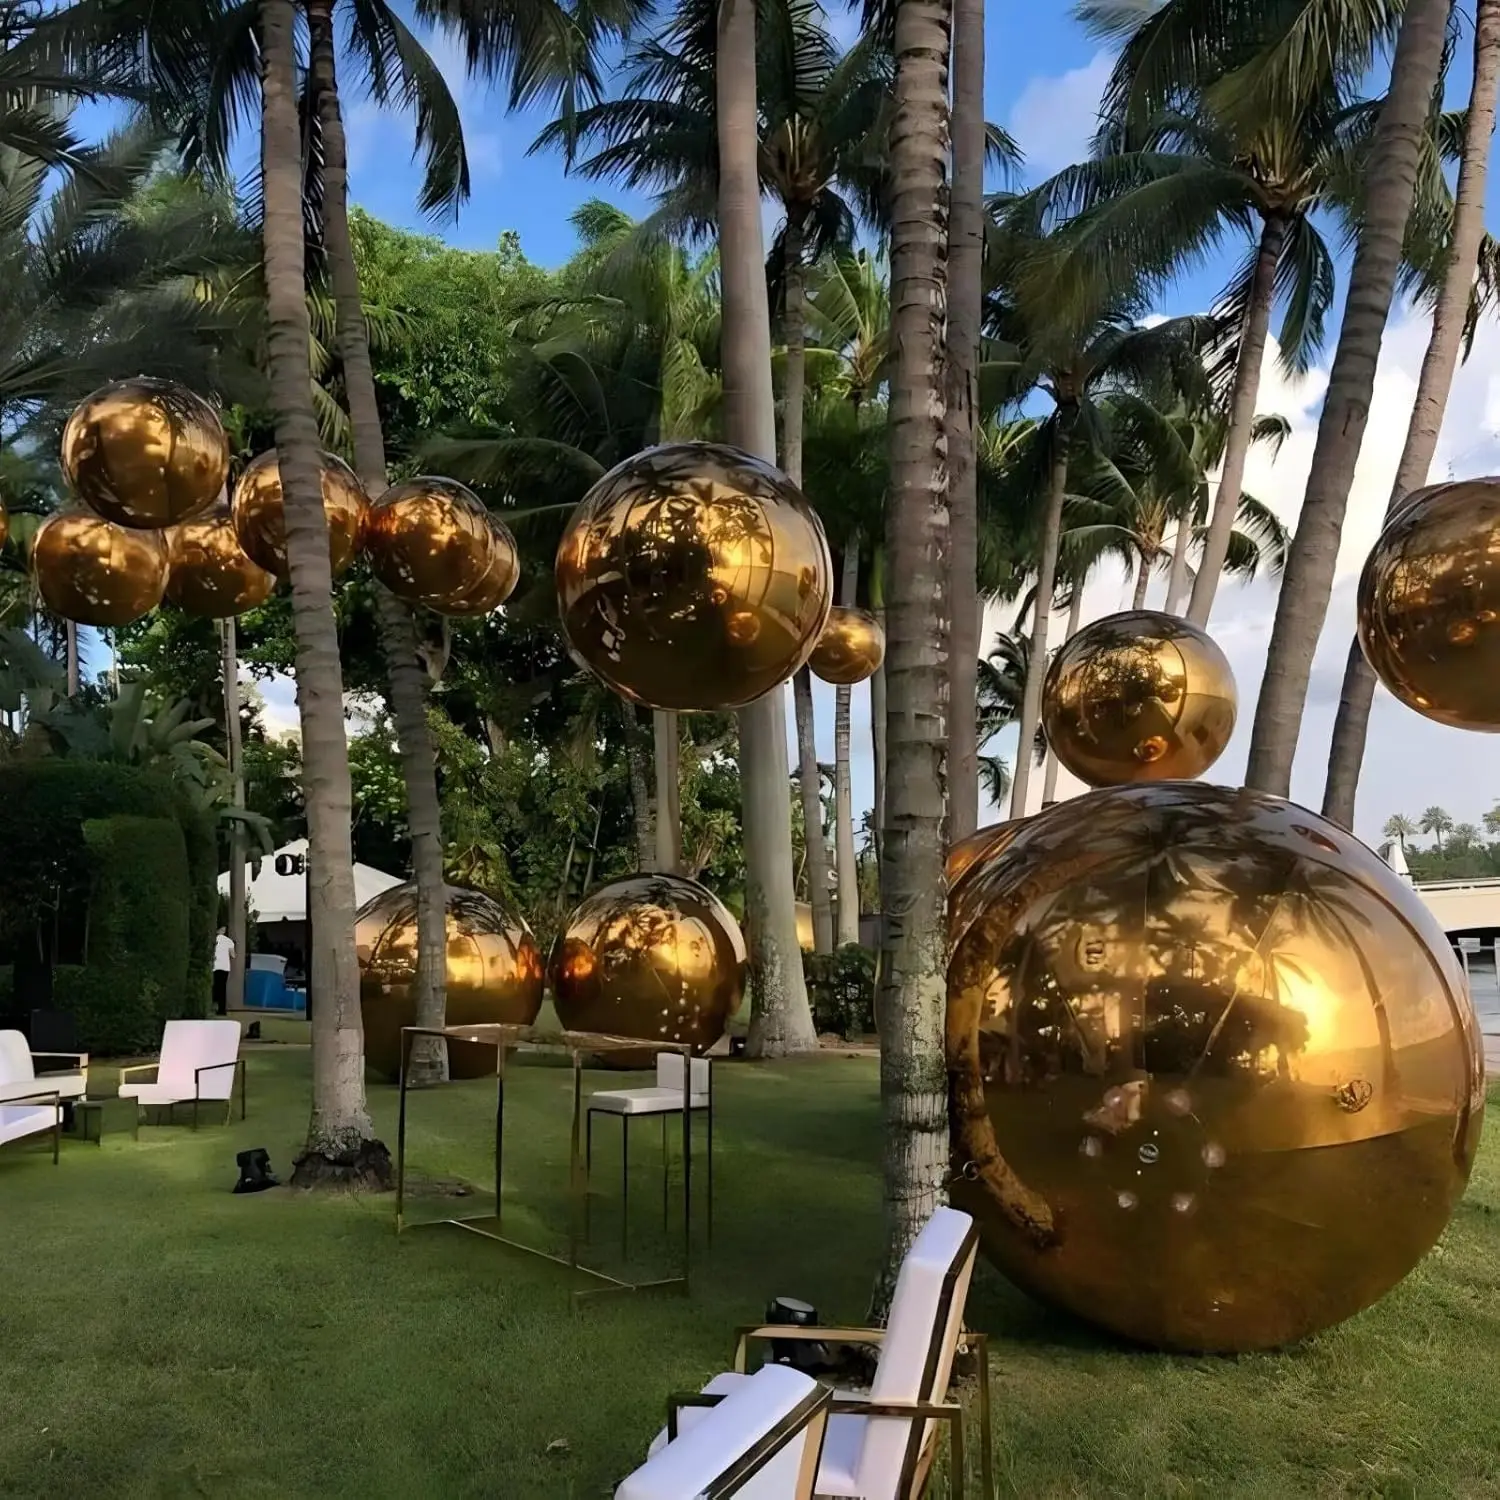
(664, 1174)
(588, 1169)
(56, 1135)
(624, 1185)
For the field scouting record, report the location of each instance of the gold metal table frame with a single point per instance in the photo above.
(577, 1044)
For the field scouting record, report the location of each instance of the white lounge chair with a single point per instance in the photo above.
(760, 1443)
(881, 1445)
(200, 1060)
(18, 1120)
(19, 1078)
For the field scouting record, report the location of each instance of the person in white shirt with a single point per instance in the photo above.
(223, 959)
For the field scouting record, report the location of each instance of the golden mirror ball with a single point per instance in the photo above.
(96, 573)
(965, 853)
(145, 453)
(1138, 696)
(851, 647)
(261, 526)
(209, 573)
(652, 956)
(429, 541)
(1429, 604)
(495, 974)
(693, 576)
(1228, 1055)
(497, 583)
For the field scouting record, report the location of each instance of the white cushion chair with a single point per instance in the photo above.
(19, 1078)
(760, 1443)
(18, 1120)
(200, 1060)
(880, 1445)
(663, 1102)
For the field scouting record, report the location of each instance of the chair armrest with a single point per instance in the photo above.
(212, 1068)
(42, 1096)
(138, 1068)
(853, 1405)
(678, 1400)
(79, 1059)
(765, 1333)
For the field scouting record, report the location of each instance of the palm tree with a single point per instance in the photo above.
(1491, 820)
(1464, 836)
(340, 1144)
(1437, 822)
(1400, 828)
(1302, 604)
(1347, 746)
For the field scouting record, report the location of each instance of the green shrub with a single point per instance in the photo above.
(841, 990)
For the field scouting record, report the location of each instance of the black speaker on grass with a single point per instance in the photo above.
(255, 1171)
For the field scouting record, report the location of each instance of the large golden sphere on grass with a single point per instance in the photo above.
(1138, 696)
(145, 453)
(495, 974)
(1229, 1056)
(260, 523)
(651, 956)
(1429, 604)
(693, 576)
(851, 647)
(96, 573)
(429, 541)
(210, 573)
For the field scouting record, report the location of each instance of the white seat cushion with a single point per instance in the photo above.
(17, 1120)
(156, 1093)
(18, 1076)
(643, 1101)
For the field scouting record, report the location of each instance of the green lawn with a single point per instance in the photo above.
(160, 1337)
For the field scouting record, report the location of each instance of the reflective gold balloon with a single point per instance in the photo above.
(693, 576)
(1139, 696)
(4, 524)
(653, 956)
(1429, 604)
(210, 575)
(805, 938)
(1229, 1056)
(261, 527)
(145, 453)
(851, 647)
(495, 974)
(429, 541)
(96, 573)
(498, 581)
(967, 852)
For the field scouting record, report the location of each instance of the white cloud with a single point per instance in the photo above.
(1055, 118)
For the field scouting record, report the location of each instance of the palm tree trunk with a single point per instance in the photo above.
(794, 331)
(913, 896)
(965, 254)
(235, 989)
(845, 864)
(340, 1147)
(810, 788)
(640, 794)
(1142, 580)
(1303, 602)
(428, 1061)
(1347, 749)
(1177, 577)
(70, 651)
(1242, 399)
(664, 754)
(1075, 613)
(878, 711)
(780, 1018)
(1046, 582)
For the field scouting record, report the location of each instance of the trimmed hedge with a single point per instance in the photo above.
(841, 990)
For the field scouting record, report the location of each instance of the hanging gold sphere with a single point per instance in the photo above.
(1429, 604)
(4, 524)
(93, 572)
(851, 647)
(429, 541)
(261, 525)
(495, 974)
(502, 572)
(693, 576)
(145, 453)
(1138, 696)
(651, 956)
(1226, 1052)
(209, 572)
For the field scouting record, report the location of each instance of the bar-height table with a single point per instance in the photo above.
(577, 1044)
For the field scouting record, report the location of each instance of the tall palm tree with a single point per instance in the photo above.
(1302, 603)
(1437, 822)
(1347, 747)
(1399, 827)
(340, 1144)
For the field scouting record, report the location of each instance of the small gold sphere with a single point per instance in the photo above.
(851, 647)
(651, 956)
(145, 453)
(1138, 696)
(1429, 602)
(693, 576)
(1225, 1051)
(498, 582)
(96, 573)
(495, 974)
(261, 526)
(209, 572)
(429, 541)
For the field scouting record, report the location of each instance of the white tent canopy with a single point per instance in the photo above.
(283, 898)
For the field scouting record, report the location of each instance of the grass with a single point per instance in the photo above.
(160, 1337)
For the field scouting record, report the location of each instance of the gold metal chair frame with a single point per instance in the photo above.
(239, 1067)
(809, 1415)
(41, 1097)
(505, 1039)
